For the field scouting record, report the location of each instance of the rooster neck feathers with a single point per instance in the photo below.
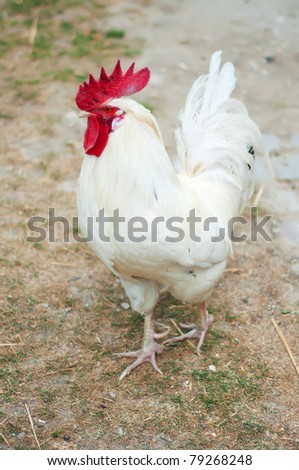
(135, 162)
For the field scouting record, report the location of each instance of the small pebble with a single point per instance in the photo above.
(183, 66)
(270, 59)
(112, 395)
(212, 368)
(125, 305)
(187, 384)
(41, 423)
(66, 438)
(20, 436)
(88, 301)
(165, 438)
(75, 292)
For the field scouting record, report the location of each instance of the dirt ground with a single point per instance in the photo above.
(63, 315)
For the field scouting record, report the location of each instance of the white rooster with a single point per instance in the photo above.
(157, 224)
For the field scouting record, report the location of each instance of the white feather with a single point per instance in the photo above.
(216, 132)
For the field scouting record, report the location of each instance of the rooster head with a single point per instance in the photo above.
(93, 99)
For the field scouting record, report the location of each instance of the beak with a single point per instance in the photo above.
(84, 114)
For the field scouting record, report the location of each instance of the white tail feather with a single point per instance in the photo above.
(219, 84)
(216, 134)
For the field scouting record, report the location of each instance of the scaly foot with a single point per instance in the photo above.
(146, 354)
(149, 347)
(196, 331)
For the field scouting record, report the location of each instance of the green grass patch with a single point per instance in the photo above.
(26, 6)
(115, 33)
(222, 388)
(37, 246)
(214, 337)
(43, 45)
(64, 75)
(4, 47)
(131, 52)
(66, 27)
(80, 51)
(229, 316)
(83, 39)
(177, 399)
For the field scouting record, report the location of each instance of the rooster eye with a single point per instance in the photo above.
(108, 109)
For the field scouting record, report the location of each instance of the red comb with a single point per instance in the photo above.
(117, 84)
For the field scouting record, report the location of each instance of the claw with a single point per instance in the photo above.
(188, 326)
(195, 332)
(162, 335)
(128, 354)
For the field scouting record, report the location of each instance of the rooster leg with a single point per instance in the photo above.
(148, 350)
(197, 330)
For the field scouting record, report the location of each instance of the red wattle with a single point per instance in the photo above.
(96, 136)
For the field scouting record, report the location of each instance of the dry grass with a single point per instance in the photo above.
(61, 311)
(286, 345)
